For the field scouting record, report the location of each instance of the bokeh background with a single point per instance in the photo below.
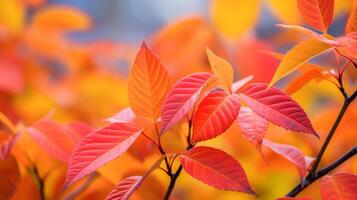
(71, 58)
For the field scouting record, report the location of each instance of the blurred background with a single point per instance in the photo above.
(71, 58)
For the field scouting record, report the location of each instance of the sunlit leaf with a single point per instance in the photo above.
(7, 122)
(277, 107)
(221, 68)
(348, 45)
(125, 115)
(298, 55)
(147, 85)
(285, 11)
(317, 13)
(99, 147)
(301, 80)
(181, 99)
(252, 126)
(216, 168)
(235, 17)
(341, 186)
(6, 146)
(215, 114)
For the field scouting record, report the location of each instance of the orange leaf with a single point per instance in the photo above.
(221, 68)
(317, 13)
(341, 186)
(351, 25)
(301, 80)
(147, 85)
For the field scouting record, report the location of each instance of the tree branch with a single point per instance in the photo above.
(308, 181)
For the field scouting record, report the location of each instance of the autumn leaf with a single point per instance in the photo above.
(292, 154)
(7, 122)
(341, 186)
(294, 198)
(181, 99)
(302, 79)
(277, 107)
(129, 185)
(125, 115)
(351, 25)
(6, 146)
(214, 115)
(99, 147)
(252, 125)
(227, 16)
(147, 85)
(285, 11)
(53, 138)
(215, 168)
(317, 13)
(348, 45)
(10, 176)
(297, 56)
(221, 68)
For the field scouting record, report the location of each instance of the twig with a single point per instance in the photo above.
(322, 172)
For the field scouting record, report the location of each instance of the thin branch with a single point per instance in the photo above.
(308, 181)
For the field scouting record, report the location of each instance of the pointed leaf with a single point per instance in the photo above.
(99, 147)
(147, 85)
(298, 55)
(215, 168)
(277, 107)
(128, 186)
(300, 81)
(341, 186)
(214, 115)
(181, 99)
(53, 138)
(221, 68)
(292, 154)
(351, 25)
(317, 13)
(252, 126)
(239, 84)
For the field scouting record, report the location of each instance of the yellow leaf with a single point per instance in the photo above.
(285, 10)
(297, 56)
(235, 17)
(221, 68)
(147, 85)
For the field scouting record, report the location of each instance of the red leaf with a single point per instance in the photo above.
(182, 98)
(292, 154)
(99, 147)
(6, 146)
(214, 115)
(317, 13)
(215, 168)
(277, 107)
(341, 186)
(127, 187)
(252, 126)
(52, 137)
